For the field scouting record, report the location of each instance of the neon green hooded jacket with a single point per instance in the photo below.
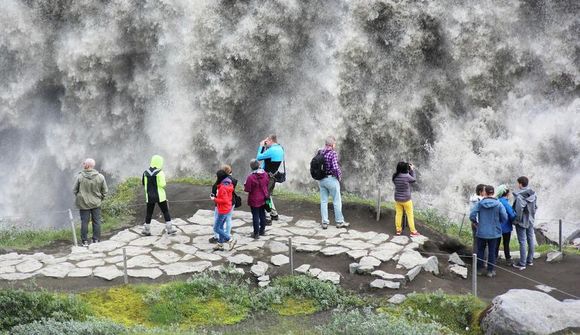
(154, 181)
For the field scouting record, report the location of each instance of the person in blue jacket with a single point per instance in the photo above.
(272, 155)
(503, 194)
(490, 213)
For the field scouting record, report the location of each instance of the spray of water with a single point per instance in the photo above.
(470, 91)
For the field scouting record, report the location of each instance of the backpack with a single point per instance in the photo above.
(237, 200)
(317, 169)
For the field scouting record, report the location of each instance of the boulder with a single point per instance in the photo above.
(411, 274)
(303, 268)
(455, 259)
(432, 265)
(510, 313)
(458, 270)
(410, 259)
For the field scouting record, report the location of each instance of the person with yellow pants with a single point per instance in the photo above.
(402, 178)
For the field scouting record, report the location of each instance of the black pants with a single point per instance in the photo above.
(506, 246)
(162, 206)
(259, 219)
(95, 216)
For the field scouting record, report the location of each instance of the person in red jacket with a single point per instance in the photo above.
(257, 187)
(223, 201)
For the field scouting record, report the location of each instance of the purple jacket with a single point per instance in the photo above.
(403, 187)
(257, 186)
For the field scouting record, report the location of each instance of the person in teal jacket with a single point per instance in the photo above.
(272, 155)
(154, 182)
(503, 194)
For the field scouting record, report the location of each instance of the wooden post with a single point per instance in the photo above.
(72, 223)
(474, 275)
(125, 277)
(560, 235)
(291, 256)
(378, 203)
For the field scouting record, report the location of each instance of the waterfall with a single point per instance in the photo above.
(470, 91)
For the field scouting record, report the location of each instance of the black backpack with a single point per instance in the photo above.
(317, 170)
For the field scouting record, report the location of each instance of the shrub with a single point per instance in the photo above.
(68, 327)
(20, 307)
(123, 304)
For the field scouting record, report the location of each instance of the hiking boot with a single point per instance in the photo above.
(519, 266)
(491, 274)
(232, 242)
(324, 226)
(85, 243)
(415, 234)
(342, 224)
(273, 217)
(213, 239)
(169, 228)
(218, 247)
(268, 222)
(146, 229)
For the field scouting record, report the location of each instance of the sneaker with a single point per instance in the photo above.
(218, 247)
(519, 266)
(342, 224)
(491, 274)
(325, 226)
(146, 230)
(415, 234)
(232, 242)
(96, 241)
(85, 243)
(398, 233)
(273, 217)
(213, 239)
(169, 228)
(509, 261)
(262, 233)
(255, 236)
(529, 263)
(268, 222)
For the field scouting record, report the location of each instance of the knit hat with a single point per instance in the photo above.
(501, 190)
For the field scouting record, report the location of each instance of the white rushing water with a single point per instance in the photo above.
(470, 91)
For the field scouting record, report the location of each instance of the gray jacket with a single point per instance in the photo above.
(525, 207)
(403, 186)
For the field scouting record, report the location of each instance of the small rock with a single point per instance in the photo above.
(432, 265)
(144, 241)
(166, 256)
(353, 267)
(365, 269)
(388, 276)
(79, 273)
(125, 236)
(109, 272)
(277, 247)
(142, 261)
(240, 259)
(356, 254)
(458, 270)
(279, 260)
(403, 240)
(419, 239)
(105, 246)
(91, 263)
(307, 224)
(455, 259)
(263, 283)
(16, 276)
(131, 251)
(545, 288)
(264, 278)
(29, 266)
(185, 267)
(330, 251)
(369, 261)
(303, 268)
(554, 256)
(185, 248)
(379, 238)
(308, 248)
(144, 273)
(208, 256)
(314, 272)
(355, 244)
(380, 283)
(411, 274)
(57, 270)
(397, 299)
(259, 269)
(332, 277)
(410, 259)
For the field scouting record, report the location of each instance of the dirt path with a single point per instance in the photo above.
(564, 275)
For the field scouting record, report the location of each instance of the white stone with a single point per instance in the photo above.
(397, 299)
(355, 244)
(142, 261)
(410, 259)
(455, 259)
(131, 251)
(243, 215)
(353, 268)
(166, 256)
(411, 274)
(259, 269)
(55, 261)
(432, 265)
(357, 235)
(10, 256)
(554, 256)
(369, 261)
(252, 246)
(516, 255)
(279, 260)
(385, 252)
(91, 263)
(185, 267)
(380, 283)
(298, 240)
(377, 283)
(238, 223)
(109, 272)
(302, 268)
(510, 313)
(400, 239)
(203, 217)
(314, 272)
(79, 250)
(332, 277)
(330, 251)
(207, 256)
(308, 248)
(412, 246)
(241, 259)
(7, 269)
(144, 241)
(29, 266)
(276, 231)
(16, 276)
(364, 269)
(185, 248)
(196, 230)
(328, 233)
(277, 247)
(263, 283)
(41, 256)
(10, 262)
(79, 273)
(187, 257)
(388, 276)
(60, 270)
(125, 236)
(307, 224)
(105, 246)
(114, 259)
(356, 254)
(458, 270)
(264, 278)
(85, 256)
(334, 241)
(421, 239)
(544, 288)
(379, 238)
(301, 231)
(243, 230)
(144, 273)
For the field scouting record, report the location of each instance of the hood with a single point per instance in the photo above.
(474, 198)
(157, 162)
(90, 174)
(489, 202)
(528, 194)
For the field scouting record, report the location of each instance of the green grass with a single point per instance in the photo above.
(117, 211)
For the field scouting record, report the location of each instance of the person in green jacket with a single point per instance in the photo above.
(90, 188)
(154, 182)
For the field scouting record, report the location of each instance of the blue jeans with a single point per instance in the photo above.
(218, 228)
(526, 235)
(330, 186)
(259, 220)
(228, 228)
(491, 245)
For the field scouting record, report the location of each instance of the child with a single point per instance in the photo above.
(223, 201)
(506, 226)
(402, 179)
(153, 180)
(257, 187)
